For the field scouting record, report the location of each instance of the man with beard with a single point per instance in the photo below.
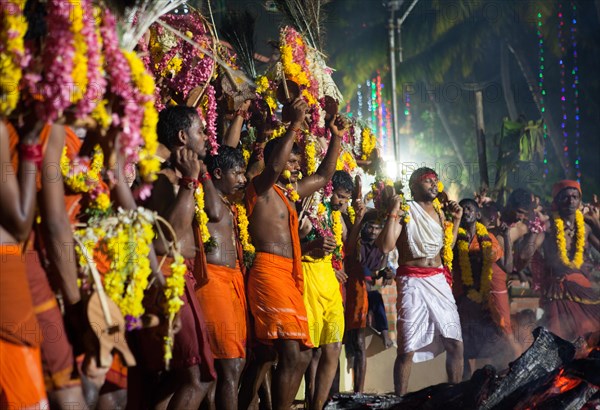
(276, 282)
(571, 306)
(223, 297)
(322, 296)
(181, 131)
(428, 321)
(480, 291)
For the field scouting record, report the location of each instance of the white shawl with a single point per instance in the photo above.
(425, 234)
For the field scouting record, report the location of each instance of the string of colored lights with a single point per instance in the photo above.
(374, 110)
(380, 126)
(541, 66)
(359, 101)
(575, 86)
(563, 97)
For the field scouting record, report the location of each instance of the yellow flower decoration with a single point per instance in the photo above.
(447, 252)
(464, 261)
(174, 288)
(351, 214)
(311, 157)
(561, 243)
(368, 143)
(13, 26)
(80, 65)
(440, 186)
(201, 217)
(337, 228)
(86, 177)
(149, 165)
(345, 162)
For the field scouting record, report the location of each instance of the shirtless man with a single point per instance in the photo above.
(181, 131)
(275, 283)
(428, 321)
(223, 297)
(21, 379)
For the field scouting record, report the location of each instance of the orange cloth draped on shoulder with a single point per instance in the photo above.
(223, 300)
(275, 286)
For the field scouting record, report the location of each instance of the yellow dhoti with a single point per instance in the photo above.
(323, 301)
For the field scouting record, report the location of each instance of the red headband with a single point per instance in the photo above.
(564, 184)
(428, 175)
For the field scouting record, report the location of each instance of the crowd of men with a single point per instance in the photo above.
(247, 334)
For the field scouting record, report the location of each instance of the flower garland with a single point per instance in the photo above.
(351, 214)
(80, 60)
(289, 190)
(368, 143)
(79, 177)
(244, 235)
(13, 56)
(346, 162)
(149, 165)
(202, 218)
(210, 115)
(561, 243)
(95, 73)
(310, 152)
(125, 239)
(464, 261)
(294, 58)
(57, 60)
(266, 89)
(174, 288)
(447, 252)
(337, 229)
(99, 112)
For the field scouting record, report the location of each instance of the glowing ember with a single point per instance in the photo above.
(565, 383)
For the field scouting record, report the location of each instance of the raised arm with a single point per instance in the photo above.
(386, 241)
(234, 131)
(55, 221)
(354, 234)
(326, 170)
(17, 195)
(213, 205)
(278, 158)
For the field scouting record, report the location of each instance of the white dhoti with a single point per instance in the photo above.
(426, 313)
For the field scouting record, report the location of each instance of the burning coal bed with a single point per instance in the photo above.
(553, 374)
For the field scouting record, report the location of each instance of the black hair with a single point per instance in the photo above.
(470, 201)
(416, 176)
(520, 198)
(173, 119)
(490, 210)
(342, 180)
(227, 158)
(271, 146)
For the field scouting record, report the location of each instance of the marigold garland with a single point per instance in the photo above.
(174, 288)
(13, 56)
(310, 152)
(201, 217)
(266, 90)
(289, 190)
(447, 252)
(561, 243)
(351, 214)
(80, 60)
(464, 261)
(368, 143)
(78, 176)
(346, 162)
(337, 229)
(244, 235)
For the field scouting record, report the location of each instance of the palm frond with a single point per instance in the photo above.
(138, 18)
(308, 17)
(238, 30)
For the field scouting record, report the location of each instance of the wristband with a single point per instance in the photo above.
(31, 152)
(189, 183)
(244, 114)
(205, 177)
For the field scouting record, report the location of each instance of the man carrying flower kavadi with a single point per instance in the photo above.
(480, 291)
(428, 321)
(223, 297)
(571, 305)
(322, 297)
(192, 373)
(276, 282)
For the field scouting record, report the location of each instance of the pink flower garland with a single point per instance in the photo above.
(96, 82)
(57, 62)
(211, 120)
(119, 72)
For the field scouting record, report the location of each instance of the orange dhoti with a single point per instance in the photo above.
(275, 301)
(223, 301)
(21, 379)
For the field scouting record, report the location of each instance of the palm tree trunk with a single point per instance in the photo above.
(509, 96)
(553, 131)
(444, 121)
